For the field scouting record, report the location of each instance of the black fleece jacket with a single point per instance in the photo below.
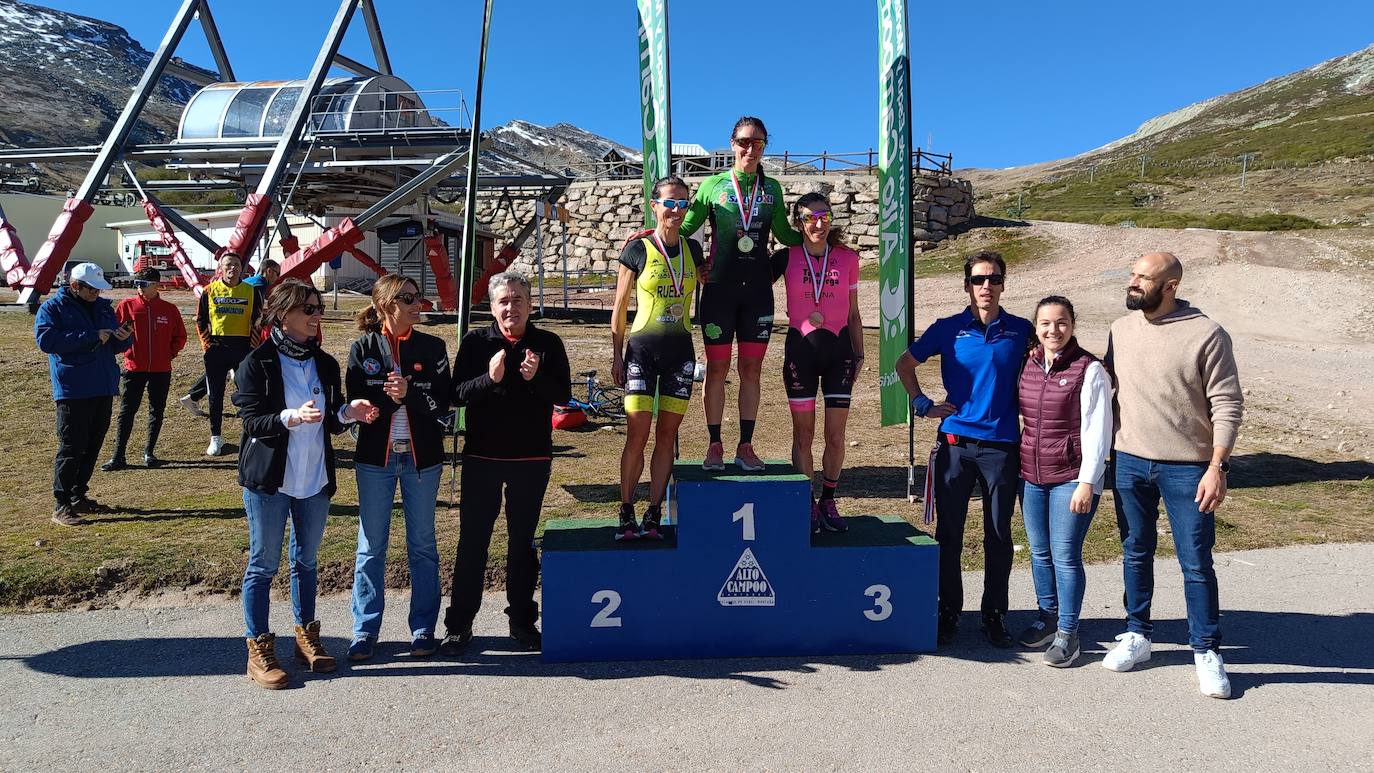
(512, 418)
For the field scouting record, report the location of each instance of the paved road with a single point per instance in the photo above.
(162, 688)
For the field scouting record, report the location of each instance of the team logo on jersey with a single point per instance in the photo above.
(747, 585)
(371, 366)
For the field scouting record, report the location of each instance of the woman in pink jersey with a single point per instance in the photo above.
(825, 344)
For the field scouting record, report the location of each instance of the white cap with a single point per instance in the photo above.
(91, 274)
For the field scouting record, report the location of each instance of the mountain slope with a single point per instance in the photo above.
(1305, 140)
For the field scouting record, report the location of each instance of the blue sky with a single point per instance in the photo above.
(995, 83)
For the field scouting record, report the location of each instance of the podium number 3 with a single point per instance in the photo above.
(606, 617)
(882, 602)
(746, 514)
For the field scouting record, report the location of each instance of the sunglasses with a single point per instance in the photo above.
(671, 204)
(83, 286)
(816, 217)
(140, 284)
(311, 309)
(994, 279)
(409, 298)
(751, 142)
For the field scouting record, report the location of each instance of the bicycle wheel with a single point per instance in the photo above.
(609, 402)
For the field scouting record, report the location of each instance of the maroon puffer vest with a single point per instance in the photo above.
(1051, 451)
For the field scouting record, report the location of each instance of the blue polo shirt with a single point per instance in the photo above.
(980, 365)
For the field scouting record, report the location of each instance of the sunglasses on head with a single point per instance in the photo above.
(994, 279)
(756, 143)
(671, 204)
(816, 217)
(409, 298)
(311, 309)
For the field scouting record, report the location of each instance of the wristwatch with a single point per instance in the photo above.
(1224, 466)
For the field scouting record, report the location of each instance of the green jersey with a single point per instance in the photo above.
(663, 286)
(716, 201)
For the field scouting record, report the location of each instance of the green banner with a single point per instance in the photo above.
(653, 96)
(894, 204)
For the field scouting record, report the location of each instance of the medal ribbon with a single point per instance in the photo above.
(679, 276)
(817, 285)
(746, 213)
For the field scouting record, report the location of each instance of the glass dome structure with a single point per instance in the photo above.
(260, 109)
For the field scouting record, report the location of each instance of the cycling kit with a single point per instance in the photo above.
(818, 348)
(738, 300)
(659, 357)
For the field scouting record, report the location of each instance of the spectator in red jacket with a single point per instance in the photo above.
(159, 335)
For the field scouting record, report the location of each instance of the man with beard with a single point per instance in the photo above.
(1179, 407)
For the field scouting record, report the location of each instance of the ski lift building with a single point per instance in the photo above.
(260, 109)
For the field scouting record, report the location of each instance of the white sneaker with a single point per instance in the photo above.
(191, 405)
(1211, 675)
(1131, 650)
(216, 446)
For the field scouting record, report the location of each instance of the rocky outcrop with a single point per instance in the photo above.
(605, 213)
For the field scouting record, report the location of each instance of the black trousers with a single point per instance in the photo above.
(132, 386)
(524, 484)
(996, 468)
(221, 358)
(81, 427)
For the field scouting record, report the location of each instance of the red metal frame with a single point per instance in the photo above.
(437, 253)
(189, 274)
(13, 261)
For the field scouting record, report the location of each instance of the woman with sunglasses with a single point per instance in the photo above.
(737, 301)
(825, 345)
(289, 394)
(658, 358)
(406, 374)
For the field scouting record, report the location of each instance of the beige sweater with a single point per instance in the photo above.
(1177, 390)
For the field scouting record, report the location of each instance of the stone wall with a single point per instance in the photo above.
(604, 214)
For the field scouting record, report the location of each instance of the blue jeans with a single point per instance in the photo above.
(1056, 544)
(268, 515)
(376, 494)
(1140, 483)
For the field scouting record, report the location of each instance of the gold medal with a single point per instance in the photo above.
(745, 244)
(816, 319)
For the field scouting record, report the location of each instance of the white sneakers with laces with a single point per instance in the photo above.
(216, 446)
(1131, 650)
(1211, 675)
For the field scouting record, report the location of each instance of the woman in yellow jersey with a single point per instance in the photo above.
(660, 269)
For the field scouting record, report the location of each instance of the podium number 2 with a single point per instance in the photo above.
(882, 602)
(746, 514)
(606, 617)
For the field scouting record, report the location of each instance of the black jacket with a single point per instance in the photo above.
(424, 361)
(261, 398)
(512, 419)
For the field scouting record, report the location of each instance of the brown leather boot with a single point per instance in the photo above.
(310, 651)
(263, 667)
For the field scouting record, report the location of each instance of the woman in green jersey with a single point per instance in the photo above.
(737, 301)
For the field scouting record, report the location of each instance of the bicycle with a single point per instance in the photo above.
(607, 402)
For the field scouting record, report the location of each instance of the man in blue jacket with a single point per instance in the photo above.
(81, 336)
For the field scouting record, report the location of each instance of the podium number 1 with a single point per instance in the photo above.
(882, 602)
(746, 514)
(606, 617)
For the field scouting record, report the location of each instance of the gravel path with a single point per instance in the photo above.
(163, 688)
(1299, 308)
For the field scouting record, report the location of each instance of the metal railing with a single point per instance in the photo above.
(787, 162)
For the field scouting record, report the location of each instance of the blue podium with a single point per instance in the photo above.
(738, 575)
